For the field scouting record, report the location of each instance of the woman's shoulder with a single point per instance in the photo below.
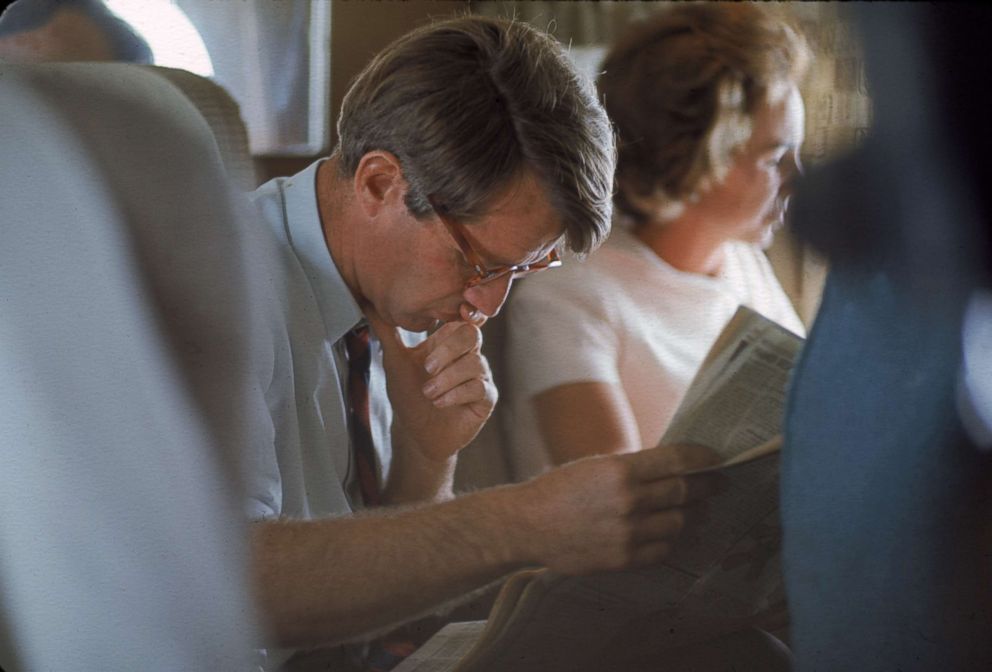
(599, 274)
(748, 260)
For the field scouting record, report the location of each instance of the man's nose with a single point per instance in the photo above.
(488, 297)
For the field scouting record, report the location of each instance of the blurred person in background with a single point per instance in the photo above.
(886, 468)
(67, 30)
(709, 120)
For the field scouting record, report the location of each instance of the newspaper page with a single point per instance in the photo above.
(445, 649)
(736, 556)
(736, 400)
(718, 579)
(560, 624)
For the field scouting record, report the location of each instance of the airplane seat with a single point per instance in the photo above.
(124, 350)
(214, 104)
(222, 114)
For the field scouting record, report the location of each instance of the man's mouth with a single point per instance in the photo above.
(475, 316)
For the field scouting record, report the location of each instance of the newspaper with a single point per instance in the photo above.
(718, 579)
(734, 406)
(445, 649)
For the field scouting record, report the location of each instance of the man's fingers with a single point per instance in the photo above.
(443, 331)
(650, 553)
(675, 491)
(449, 343)
(659, 525)
(663, 461)
(472, 392)
(467, 381)
(468, 367)
(656, 533)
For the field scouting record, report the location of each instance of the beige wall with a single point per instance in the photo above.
(359, 29)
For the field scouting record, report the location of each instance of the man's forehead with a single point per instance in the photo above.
(500, 247)
(520, 226)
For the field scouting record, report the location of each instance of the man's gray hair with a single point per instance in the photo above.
(468, 105)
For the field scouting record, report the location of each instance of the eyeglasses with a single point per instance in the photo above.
(483, 274)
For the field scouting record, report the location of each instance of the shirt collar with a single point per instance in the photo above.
(339, 311)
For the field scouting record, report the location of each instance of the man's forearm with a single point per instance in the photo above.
(328, 581)
(414, 478)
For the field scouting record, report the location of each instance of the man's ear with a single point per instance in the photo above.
(379, 182)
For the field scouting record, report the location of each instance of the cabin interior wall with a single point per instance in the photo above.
(358, 31)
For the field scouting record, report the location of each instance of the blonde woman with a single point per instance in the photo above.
(709, 124)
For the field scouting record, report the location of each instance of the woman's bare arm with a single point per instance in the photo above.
(583, 419)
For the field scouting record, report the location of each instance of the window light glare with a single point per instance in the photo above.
(172, 38)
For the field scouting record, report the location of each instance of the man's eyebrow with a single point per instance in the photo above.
(545, 251)
(529, 259)
(487, 257)
(540, 253)
(534, 256)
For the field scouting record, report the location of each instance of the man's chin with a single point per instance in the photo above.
(415, 325)
(421, 323)
(432, 323)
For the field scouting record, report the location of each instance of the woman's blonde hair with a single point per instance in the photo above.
(681, 89)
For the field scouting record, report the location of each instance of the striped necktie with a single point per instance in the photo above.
(359, 360)
(383, 654)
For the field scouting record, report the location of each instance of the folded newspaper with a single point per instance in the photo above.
(721, 578)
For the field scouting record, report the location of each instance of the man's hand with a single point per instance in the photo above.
(343, 577)
(441, 391)
(615, 511)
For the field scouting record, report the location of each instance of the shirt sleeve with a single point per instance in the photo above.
(271, 405)
(260, 467)
(559, 332)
